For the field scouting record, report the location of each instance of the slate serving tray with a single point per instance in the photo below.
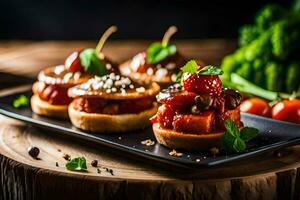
(272, 135)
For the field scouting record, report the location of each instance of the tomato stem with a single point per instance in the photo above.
(104, 37)
(168, 34)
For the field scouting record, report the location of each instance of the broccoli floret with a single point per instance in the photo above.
(229, 64)
(292, 80)
(269, 15)
(285, 37)
(247, 34)
(245, 70)
(273, 75)
(258, 74)
(258, 47)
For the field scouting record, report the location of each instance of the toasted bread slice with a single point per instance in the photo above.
(44, 108)
(104, 123)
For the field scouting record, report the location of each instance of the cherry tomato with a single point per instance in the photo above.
(287, 110)
(73, 63)
(256, 106)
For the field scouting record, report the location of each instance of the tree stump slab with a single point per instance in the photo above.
(22, 177)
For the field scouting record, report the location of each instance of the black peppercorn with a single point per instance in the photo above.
(203, 101)
(94, 163)
(67, 157)
(232, 98)
(33, 152)
(98, 171)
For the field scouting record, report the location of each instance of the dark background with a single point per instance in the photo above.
(87, 19)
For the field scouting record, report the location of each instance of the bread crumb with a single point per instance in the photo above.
(175, 153)
(148, 142)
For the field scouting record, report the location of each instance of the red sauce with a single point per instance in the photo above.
(104, 106)
(53, 94)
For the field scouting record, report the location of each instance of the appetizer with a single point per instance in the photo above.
(159, 63)
(112, 103)
(51, 90)
(193, 113)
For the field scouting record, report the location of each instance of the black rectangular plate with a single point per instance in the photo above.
(272, 135)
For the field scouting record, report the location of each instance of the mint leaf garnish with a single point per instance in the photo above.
(157, 52)
(190, 67)
(210, 70)
(77, 164)
(234, 140)
(248, 133)
(239, 145)
(232, 128)
(20, 101)
(92, 63)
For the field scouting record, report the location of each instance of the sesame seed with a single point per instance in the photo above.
(108, 66)
(108, 91)
(123, 91)
(131, 86)
(113, 89)
(140, 89)
(112, 76)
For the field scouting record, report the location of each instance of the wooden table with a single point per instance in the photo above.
(273, 175)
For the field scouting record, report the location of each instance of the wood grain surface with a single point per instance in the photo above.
(270, 176)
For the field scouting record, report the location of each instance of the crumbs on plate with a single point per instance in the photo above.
(175, 153)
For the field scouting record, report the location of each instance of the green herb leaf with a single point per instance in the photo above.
(231, 128)
(77, 164)
(239, 145)
(190, 67)
(156, 52)
(178, 77)
(92, 63)
(20, 101)
(235, 140)
(228, 141)
(210, 70)
(248, 133)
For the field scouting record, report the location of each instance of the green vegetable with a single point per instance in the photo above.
(245, 70)
(273, 72)
(234, 140)
(268, 15)
(77, 164)
(20, 101)
(257, 47)
(285, 37)
(292, 80)
(245, 86)
(159, 51)
(248, 33)
(92, 63)
(258, 71)
(267, 48)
